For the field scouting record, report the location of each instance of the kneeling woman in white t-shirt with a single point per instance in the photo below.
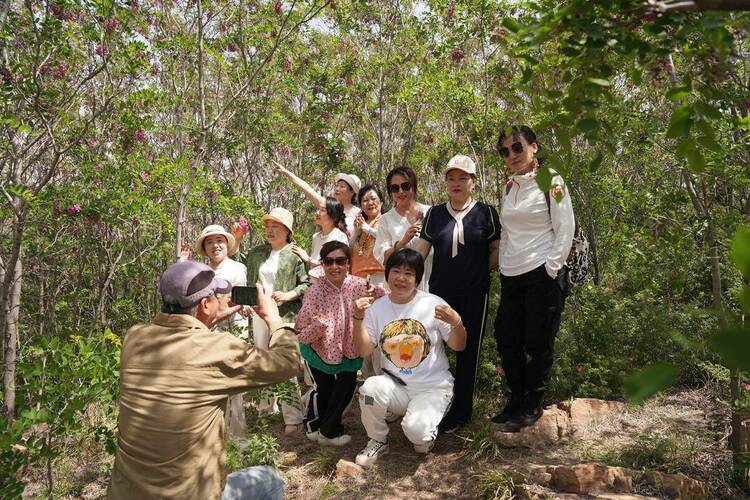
(411, 327)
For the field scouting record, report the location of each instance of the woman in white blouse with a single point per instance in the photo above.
(346, 187)
(536, 235)
(329, 216)
(400, 226)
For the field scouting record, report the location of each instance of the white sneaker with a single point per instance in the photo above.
(424, 447)
(313, 436)
(370, 454)
(341, 440)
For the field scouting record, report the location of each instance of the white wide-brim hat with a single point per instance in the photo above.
(211, 230)
(282, 216)
(462, 163)
(350, 179)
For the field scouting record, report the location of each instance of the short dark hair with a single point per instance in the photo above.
(405, 172)
(332, 246)
(408, 258)
(516, 131)
(171, 305)
(366, 189)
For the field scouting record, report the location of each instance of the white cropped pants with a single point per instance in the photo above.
(421, 405)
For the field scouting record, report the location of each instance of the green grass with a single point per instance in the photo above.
(495, 484)
(325, 461)
(670, 453)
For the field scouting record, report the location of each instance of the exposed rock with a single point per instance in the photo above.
(552, 426)
(561, 420)
(585, 412)
(591, 478)
(677, 486)
(345, 468)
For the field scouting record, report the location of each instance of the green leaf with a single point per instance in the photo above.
(677, 94)
(595, 163)
(680, 122)
(511, 24)
(696, 162)
(644, 383)
(587, 125)
(544, 178)
(741, 251)
(733, 345)
(600, 82)
(709, 142)
(708, 111)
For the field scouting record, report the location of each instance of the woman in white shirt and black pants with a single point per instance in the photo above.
(537, 233)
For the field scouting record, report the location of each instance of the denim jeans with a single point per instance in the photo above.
(257, 483)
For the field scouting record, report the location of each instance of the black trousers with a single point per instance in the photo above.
(328, 400)
(525, 328)
(473, 311)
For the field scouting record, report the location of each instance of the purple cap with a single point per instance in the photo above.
(188, 282)
(223, 286)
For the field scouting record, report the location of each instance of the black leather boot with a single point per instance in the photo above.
(512, 409)
(531, 411)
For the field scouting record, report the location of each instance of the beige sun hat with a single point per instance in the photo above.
(211, 230)
(282, 216)
(354, 182)
(462, 163)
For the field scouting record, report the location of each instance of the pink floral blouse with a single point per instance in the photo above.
(325, 321)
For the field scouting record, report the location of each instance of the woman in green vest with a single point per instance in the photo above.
(282, 274)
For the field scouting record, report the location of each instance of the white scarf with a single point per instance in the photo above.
(458, 229)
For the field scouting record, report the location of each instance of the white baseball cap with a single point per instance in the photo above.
(462, 163)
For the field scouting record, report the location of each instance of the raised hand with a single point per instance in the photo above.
(446, 313)
(185, 251)
(301, 253)
(361, 305)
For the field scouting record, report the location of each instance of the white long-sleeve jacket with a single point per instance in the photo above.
(532, 234)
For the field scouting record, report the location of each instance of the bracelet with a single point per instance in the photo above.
(357, 318)
(460, 323)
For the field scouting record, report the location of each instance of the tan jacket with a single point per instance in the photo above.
(175, 376)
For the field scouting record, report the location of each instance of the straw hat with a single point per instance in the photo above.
(282, 216)
(211, 230)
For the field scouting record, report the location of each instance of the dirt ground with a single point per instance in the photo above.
(693, 423)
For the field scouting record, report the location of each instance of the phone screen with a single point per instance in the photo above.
(245, 295)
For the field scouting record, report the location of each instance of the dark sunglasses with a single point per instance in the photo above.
(517, 148)
(404, 186)
(329, 261)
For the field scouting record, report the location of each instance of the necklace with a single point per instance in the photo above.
(466, 205)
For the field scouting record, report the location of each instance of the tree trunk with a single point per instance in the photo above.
(13, 302)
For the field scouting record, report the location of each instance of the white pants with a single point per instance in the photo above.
(421, 405)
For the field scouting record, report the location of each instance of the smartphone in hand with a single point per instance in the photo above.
(245, 295)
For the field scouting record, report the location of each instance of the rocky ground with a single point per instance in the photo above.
(672, 447)
(675, 446)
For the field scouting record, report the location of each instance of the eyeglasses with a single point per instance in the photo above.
(404, 186)
(517, 148)
(339, 261)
